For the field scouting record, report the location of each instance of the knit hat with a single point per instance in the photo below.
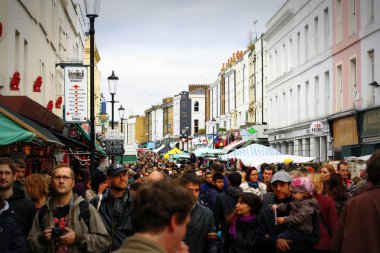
(302, 184)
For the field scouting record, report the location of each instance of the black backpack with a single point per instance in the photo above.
(84, 214)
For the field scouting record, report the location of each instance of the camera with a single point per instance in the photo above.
(57, 232)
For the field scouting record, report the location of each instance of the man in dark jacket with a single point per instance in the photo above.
(115, 206)
(201, 233)
(225, 203)
(21, 209)
(268, 231)
(358, 225)
(11, 237)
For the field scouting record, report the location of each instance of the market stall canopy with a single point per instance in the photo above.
(250, 151)
(202, 152)
(158, 149)
(257, 160)
(30, 126)
(233, 145)
(12, 132)
(26, 107)
(172, 152)
(165, 149)
(358, 158)
(182, 155)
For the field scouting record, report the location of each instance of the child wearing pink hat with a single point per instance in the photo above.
(299, 222)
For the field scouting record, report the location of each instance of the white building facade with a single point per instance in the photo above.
(37, 35)
(297, 82)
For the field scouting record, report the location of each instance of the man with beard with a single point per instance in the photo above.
(67, 222)
(115, 206)
(21, 209)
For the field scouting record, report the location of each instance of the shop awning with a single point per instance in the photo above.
(97, 147)
(12, 132)
(30, 126)
(233, 145)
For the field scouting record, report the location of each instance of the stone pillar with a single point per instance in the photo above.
(284, 148)
(314, 147)
(298, 147)
(291, 148)
(323, 148)
(305, 147)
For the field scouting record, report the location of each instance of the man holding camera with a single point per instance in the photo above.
(63, 224)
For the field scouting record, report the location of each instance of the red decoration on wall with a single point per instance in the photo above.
(37, 84)
(1, 29)
(58, 102)
(50, 105)
(15, 81)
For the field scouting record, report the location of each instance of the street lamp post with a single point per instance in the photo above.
(121, 115)
(92, 10)
(187, 139)
(112, 85)
(213, 121)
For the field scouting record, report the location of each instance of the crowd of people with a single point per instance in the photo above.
(155, 206)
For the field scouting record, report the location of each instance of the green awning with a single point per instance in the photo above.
(126, 159)
(97, 147)
(12, 132)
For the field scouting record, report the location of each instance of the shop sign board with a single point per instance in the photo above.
(316, 128)
(114, 142)
(76, 94)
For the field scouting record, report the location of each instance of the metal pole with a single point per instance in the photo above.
(213, 139)
(262, 79)
(92, 93)
(121, 121)
(112, 111)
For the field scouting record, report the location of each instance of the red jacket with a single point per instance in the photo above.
(328, 211)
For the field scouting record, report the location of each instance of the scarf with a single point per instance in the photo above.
(232, 230)
(254, 184)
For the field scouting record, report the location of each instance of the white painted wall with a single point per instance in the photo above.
(36, 36)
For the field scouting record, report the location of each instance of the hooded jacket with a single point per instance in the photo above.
(93, 239)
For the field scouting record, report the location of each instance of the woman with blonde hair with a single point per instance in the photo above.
(327, 216)
(37, 189)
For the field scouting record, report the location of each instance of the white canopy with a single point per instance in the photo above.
(257, 160)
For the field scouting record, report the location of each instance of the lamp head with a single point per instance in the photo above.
(112, 83)
(92, 8)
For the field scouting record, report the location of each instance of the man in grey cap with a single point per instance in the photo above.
(268, 231)
(115, 207)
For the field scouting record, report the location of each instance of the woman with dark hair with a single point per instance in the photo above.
(337, 191)
(252, 183)
(242, 231)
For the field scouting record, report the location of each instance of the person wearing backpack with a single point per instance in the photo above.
(67, 223)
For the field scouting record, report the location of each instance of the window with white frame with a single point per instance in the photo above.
(339, 87)
(196, 106)
(352, 17)
(370, 12)
(316, 35)
(354, 93)
(338, 21)
(327, 93)
(326, 27)
(306, 43)
(371, 77)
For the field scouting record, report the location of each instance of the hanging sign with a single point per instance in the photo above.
(76, 94)
(316, 128)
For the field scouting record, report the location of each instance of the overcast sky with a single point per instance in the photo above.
(158, 47)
